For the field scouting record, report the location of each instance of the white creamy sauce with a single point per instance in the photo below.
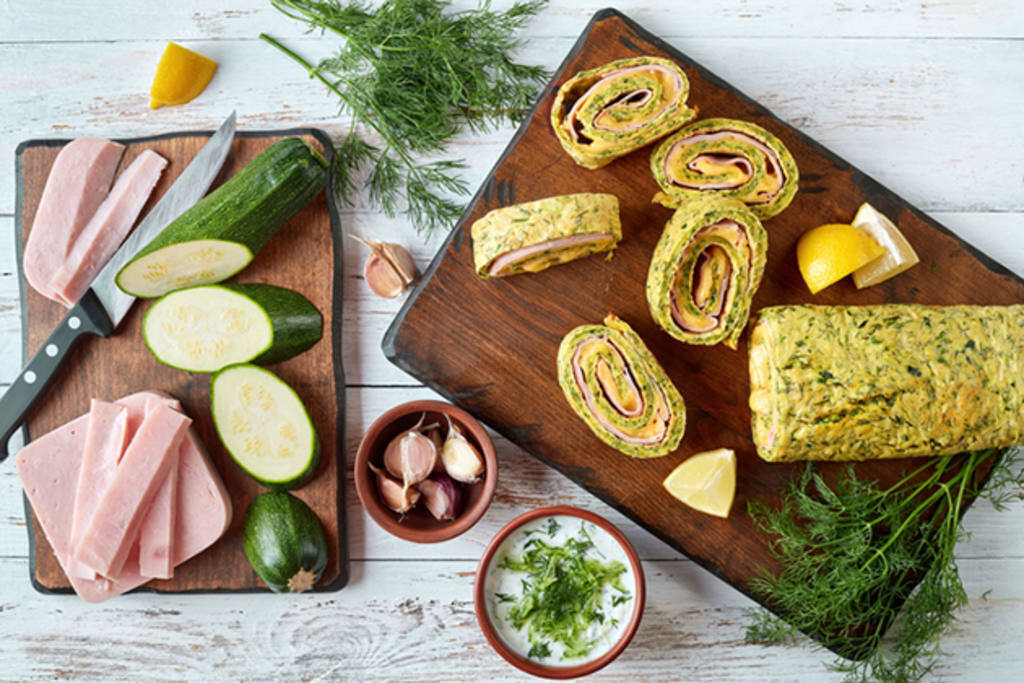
(510, 583)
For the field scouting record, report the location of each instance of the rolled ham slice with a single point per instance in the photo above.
(616, 386)
(78, 182)
(105, 440)
(603, 113)
(49, 467)
(705, 270)
(529, 237)
(726, 158)
(107, 228)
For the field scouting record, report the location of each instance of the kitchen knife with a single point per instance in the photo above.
(104, 305)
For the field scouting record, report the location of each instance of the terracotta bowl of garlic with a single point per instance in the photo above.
(426, 471)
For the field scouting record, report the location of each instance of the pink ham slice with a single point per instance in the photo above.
(107, 228)
(49, 468)
(156, 535)
(105, 441)
(143, 468)
(591, 401)
(501, 264)
(79, 181)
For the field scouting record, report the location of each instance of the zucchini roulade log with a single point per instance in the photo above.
(530, 237)
(603, 113)
(705, 270)
(614, 383)
(885, 381)
(729, 158)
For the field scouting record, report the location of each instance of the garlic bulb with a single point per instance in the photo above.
(389, 268)
(395, 496)
(461, 460)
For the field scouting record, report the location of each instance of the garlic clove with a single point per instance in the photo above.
(393, 452)
(389, 269)
(442, 496)
(418, 456)
(393, 494)
(461, 460)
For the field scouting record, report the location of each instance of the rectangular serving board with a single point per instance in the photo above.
(490, 345)
(301, 256)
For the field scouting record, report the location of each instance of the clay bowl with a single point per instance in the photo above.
(528, 665)
(418, 524)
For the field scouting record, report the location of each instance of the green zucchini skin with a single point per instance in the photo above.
(295, 323)
(247, 209)
(282, 538)
(299, 479)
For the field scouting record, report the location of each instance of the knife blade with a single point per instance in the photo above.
(104, 305)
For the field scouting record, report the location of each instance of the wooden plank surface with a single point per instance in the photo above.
(508, 329)
(856, 75)
(301, 256)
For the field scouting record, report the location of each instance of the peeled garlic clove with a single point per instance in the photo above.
(396, 497)
(461, 460)
(389, 269)
(442, 496)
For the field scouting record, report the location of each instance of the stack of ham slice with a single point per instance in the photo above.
(124, 494)
(80, 221)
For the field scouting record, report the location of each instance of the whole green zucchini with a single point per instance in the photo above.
(223, 232)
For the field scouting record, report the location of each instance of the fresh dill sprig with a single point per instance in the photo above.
(850, 553)
(414, 75)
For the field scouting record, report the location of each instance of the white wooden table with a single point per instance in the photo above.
(926, 97)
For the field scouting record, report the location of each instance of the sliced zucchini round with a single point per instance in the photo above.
(206, 328)
(264, 426)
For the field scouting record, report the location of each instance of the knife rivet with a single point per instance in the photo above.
(74, 323)
(30, 377)
(51, 350)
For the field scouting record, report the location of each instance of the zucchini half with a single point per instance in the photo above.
(264, 426)
(206, 328)
(223, 232)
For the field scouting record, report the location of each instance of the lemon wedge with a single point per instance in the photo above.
(706, 482)
(828, 253)
(180, 76)
(898, 256)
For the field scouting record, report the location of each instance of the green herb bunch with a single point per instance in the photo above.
(415, 75)
(562, 592)
(851, 553)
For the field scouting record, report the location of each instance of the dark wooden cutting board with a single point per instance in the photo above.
(490, 345)
(301, 256)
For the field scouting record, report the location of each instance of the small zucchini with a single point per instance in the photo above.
(206, 328)
(284, 542)
(222, 233)
(264, 426)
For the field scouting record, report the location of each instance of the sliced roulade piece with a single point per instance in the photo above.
(705, 270)
(729, 158)
(616, 385)
(603, 113)
(530, 237)
(885, 381)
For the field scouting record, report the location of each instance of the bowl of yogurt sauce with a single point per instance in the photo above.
(559, 592)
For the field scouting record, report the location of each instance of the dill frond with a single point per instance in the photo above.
(414, 75)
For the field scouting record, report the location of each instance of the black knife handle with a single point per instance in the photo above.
(87, 317)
